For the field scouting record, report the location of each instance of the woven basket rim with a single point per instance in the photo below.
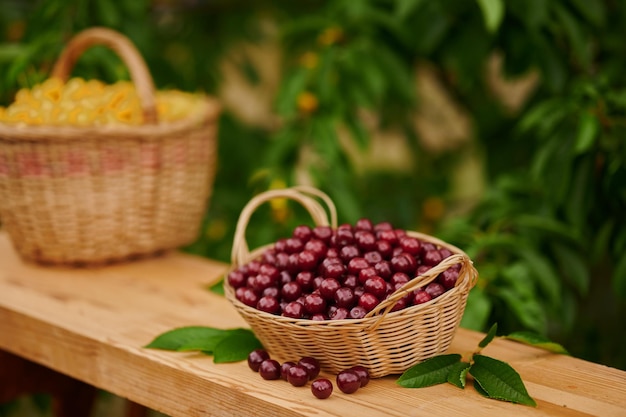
(365, 323)
(206, 112)
(466, 282)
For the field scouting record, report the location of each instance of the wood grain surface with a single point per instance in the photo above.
(91, 324)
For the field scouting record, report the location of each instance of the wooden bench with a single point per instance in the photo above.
(90, 325)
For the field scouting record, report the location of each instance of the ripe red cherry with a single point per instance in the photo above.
(435, 289)
(294, 310)
(316, 246)
(421, 297)
(236, 278)
(344, 297)
(350, 281)
(377, 286)
(368, 301)
(293, 245)
(357, 312)
(388, 236)
(431, 257)
(329, 287)
(269, 369)
(404, 262)
(305, 280)
(312, 366)
(366, 273)
(249, 297)
(348, 381)
(363, 373)
(384, 248)
(365, 240)
(410, 245)
(323, 233)
(448, 278)
(339, 313)
(307, 260)
(364, 224)
(383, 269)
(348, 252)
(297, 375)
(344, 236)
(314, 303)
(399, 278)
(284, 369)
(303, 232)
(268, 304)
(322, 388)
(373, 257)
(291, 291)
(256, 357)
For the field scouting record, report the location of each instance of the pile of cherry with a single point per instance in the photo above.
(320, 273)
(305, 370)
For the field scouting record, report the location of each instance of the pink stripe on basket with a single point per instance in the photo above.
(112, 160)
(76, 163)
(4, 166)
(30, 164)
(149, 156)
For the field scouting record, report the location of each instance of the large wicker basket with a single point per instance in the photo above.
(90, 195)
(386, 342)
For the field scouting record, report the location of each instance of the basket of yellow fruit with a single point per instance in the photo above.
(92, 173)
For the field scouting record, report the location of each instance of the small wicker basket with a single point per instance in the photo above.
(386, 342)
(73, 195)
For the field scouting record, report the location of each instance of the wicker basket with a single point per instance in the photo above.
(90, 195)
(386, 342)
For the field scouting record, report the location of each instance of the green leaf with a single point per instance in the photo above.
(458, 374)
(574, 267)
(489, 336)
(406, 7)
(593, 11)
(204, 338)
(499, 380)
(236, 346)
(432, 371)
(477, 310)
(588, 128)
(493, 13)
(217, 288)
(480, 390)
(358, 130)
(292, 86)
(537, 340)
(543, 273)
(526, 308)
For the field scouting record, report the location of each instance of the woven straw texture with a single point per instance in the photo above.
(90, 195)
(385, 342)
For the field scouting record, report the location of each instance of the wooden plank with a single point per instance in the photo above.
(92, 324)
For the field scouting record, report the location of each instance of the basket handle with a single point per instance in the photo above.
(302, 194)
(385, 306)
(125, 49)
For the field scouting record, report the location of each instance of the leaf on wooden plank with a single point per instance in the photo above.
(537, 340)
(432, 371)
(217, 288)
(499, 380)
(236, 346)
(489, 336)
(458, 373)
(204, 338)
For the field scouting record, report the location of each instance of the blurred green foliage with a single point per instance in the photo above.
(549, 234)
